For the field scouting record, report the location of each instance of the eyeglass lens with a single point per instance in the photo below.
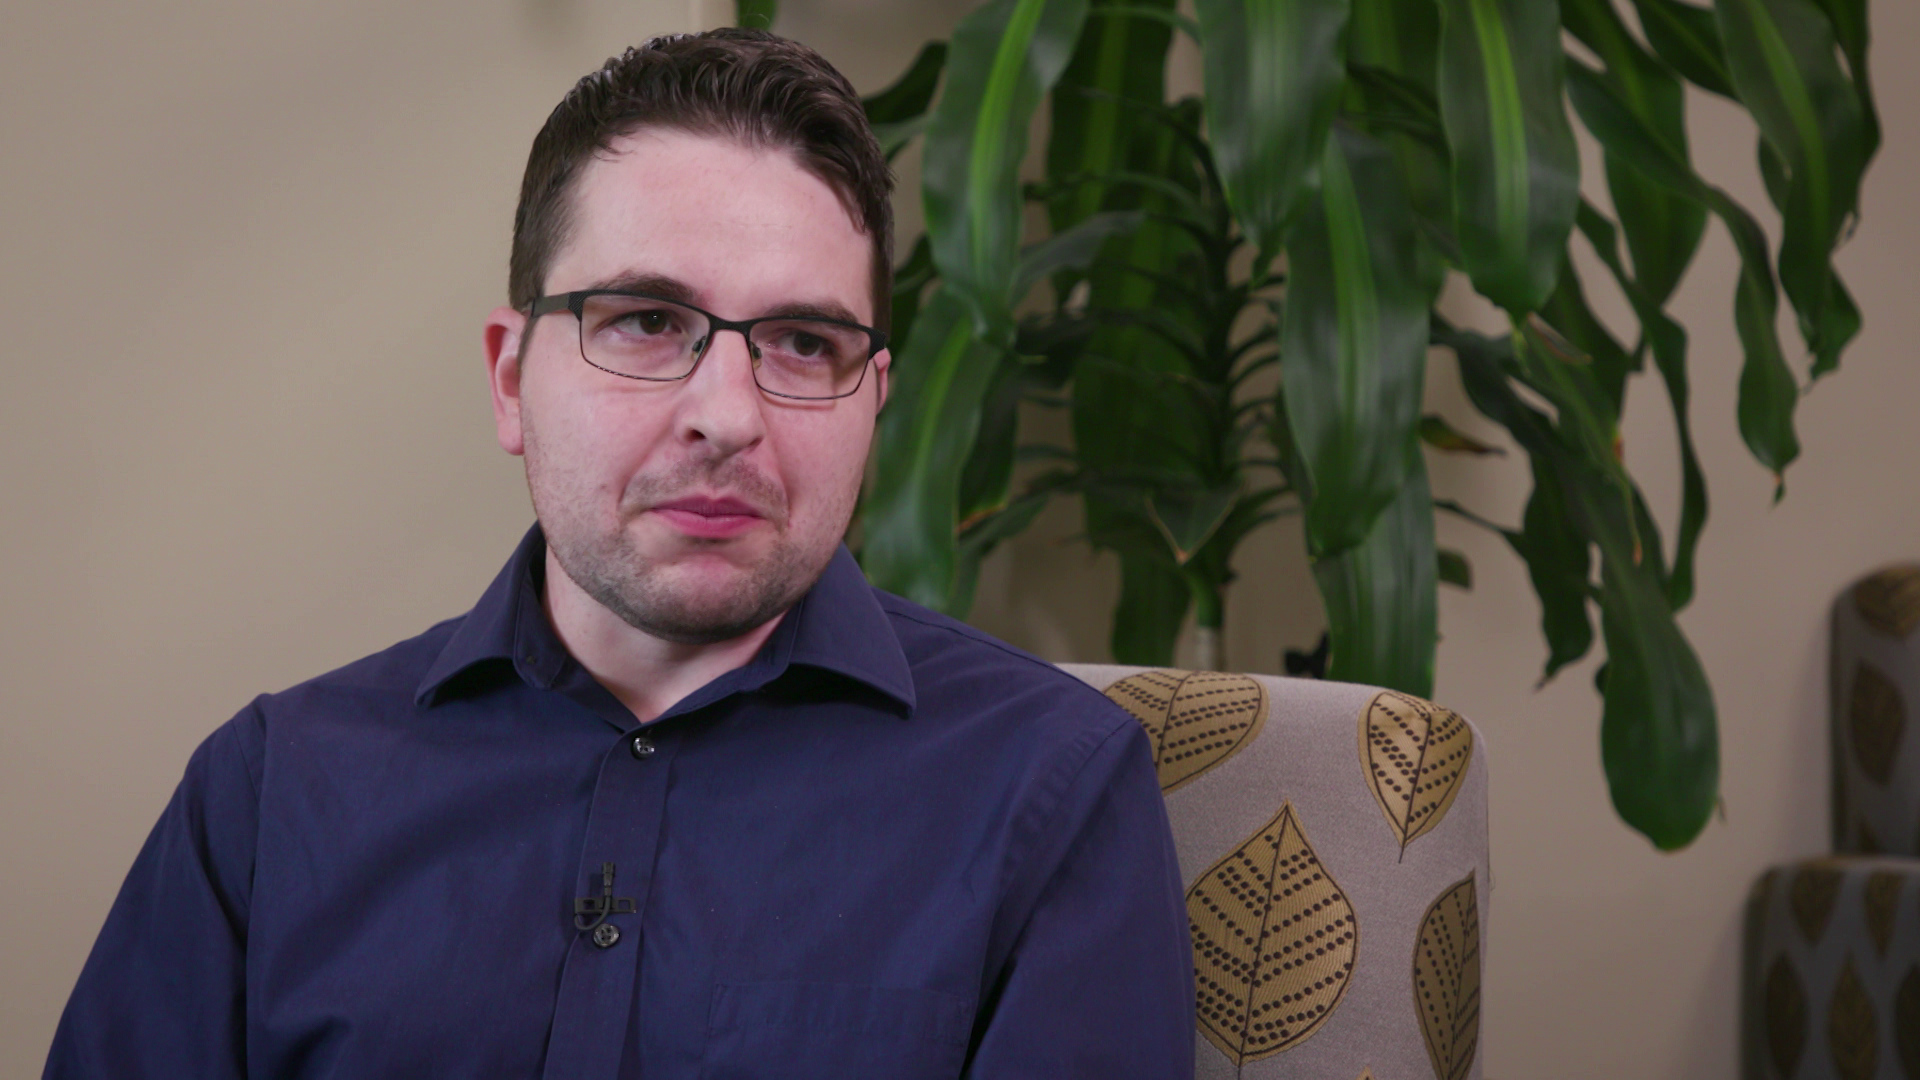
(644, 338)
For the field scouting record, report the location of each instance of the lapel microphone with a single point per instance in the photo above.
(599, 907)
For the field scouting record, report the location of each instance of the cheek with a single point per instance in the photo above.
(826, 463)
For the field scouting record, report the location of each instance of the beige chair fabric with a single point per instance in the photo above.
(1333, 841)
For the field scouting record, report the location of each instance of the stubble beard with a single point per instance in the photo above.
(675, 602)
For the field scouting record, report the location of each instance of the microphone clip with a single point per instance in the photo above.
(599, 907)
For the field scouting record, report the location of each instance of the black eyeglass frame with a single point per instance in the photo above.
(576, 302)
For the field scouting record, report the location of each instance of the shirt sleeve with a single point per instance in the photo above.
(1098, 980)
(163, 994)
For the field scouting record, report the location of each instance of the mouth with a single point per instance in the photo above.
(708, 518)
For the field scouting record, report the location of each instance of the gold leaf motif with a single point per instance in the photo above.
(1881, 897)
(1196, 719)
(1852, 1035)
(1889, 601)
(1865, 842)
(1274, 940)
(1786, 1017)
(1876, 718)
(1906, 1023)
(1811, 897)
(1415, 755)
(1446, 980)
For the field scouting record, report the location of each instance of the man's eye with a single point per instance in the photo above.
(803, 345)
(649, 323)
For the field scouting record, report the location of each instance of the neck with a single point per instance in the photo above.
(648, 674)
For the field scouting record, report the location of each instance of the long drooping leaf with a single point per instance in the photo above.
(1381, 596)
(1560, 564)
(1662, 228)
(899, 112)
(1667, 340)
(1768, 391)
(1516, 171)
(912, 92)
(1118, 67)
(1658, 732)
(1273, 71)
(1004, 57)
(1782, 56)
(926, 435)
(1402, 40)
(1849, 18)
(1688, 39)
(1354, 340)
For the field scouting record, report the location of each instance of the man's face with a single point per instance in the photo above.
(699, 509)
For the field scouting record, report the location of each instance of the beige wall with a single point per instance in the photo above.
(244, 252)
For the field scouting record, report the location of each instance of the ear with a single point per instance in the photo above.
(882, 362)
(505, 338)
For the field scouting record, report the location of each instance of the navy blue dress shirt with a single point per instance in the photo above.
(888, 846)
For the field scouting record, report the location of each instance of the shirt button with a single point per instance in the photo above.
(605, 935)
(642, 747)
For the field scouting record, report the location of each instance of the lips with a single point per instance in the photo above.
(708, 518)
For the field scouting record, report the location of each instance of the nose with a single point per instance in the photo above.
(719, 405)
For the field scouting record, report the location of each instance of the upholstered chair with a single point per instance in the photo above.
(1333, 842)
(1831, 978)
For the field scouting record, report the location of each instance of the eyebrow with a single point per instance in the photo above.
(669, 288)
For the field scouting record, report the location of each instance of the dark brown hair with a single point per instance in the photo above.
(745, 84)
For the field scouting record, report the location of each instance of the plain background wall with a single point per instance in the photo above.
(244, 254)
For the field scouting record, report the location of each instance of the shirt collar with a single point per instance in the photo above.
(838, 626)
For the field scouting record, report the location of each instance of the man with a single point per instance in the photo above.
(682, 796)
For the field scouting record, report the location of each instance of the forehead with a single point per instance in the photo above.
(745, 227)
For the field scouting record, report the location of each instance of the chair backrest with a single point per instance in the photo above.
(1333, 840)
(1875, 675)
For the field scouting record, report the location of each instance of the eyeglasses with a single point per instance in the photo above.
(636, 336)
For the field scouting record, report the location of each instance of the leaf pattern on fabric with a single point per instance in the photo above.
(1882, 900)
(1446, 980)
(1876, 719)
(1274, 941)
(1415, 755)
(1196, 719)
(1866, 841)
(1906, 1023)
(1786, 1010)
(1811, 896)
(1852, 1034)
(1889, 601)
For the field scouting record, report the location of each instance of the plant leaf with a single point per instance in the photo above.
(1273, 72)
(1516, 171)
(1454, 569)
(1074, 247)
(1658, 737)
(1154, 598)
(1663, 228)
(1560, 564)
(1118, 64)
(1668, 342)
(1782, 57)
(1688, 39)
(910, 94)
(1437, 433)
(758, 14)
(1380, 597)
(1354, 340)
(1004, 56)
(1768, 391)
(1188, 518)
(926, 435)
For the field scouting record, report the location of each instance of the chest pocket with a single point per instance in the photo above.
(803, 1030)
